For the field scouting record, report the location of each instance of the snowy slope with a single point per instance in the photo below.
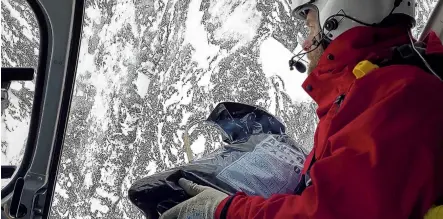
(149, 70)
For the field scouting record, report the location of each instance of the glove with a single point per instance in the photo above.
(202, 205)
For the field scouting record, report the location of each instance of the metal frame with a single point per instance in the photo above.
(29, 193)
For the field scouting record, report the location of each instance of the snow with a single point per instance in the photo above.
(128, 124)
(197, 36)
(8, 60)
(185, 117)
(62, 192)
(107, 174)
(151, 168)
(241, 24)
(180, 97)
(272, 106)
(179, 139)
(126, 15)
(87, 62)
(142, 84)
(93, 13)
(100, 104)
(174, 151)
(96, 205)
(169, 118)
(14, 131)
(198, 146)
(25, 28)
(205, 80)
(88, 180)
(274, 59)
(103, 193)
(160, 139)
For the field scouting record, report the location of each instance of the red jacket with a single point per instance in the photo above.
(380, 153)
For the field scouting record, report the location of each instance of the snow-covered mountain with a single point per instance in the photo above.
(148, 71)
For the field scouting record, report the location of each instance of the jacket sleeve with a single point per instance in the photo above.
(384, 163)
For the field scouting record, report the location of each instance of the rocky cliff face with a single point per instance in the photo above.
(149, 70)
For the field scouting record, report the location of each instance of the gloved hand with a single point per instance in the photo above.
(202, 205)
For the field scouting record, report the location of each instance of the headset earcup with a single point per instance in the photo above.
(331, 24)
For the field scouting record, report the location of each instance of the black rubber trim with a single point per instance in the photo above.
(38, 97)
(71, 71)
(14, 209)
(224, 211)
(17, 74)
(8, 171)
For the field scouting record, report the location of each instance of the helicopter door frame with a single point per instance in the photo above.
(29, 193)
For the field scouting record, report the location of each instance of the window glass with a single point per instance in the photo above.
(20, 46)
(422, 12)
(148, 71)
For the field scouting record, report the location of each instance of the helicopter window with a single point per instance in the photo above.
(20, 47)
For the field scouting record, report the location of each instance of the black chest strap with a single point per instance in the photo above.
(405, 55)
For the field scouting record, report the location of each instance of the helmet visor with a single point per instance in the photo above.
(300, 8)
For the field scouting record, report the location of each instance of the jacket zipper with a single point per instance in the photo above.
(338, 101)
(305, 179)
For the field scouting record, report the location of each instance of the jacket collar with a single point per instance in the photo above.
(333, 74)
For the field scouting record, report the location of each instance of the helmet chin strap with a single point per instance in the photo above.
(325, 42)
(301, 67)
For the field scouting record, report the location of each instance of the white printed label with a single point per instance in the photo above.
(271, 168)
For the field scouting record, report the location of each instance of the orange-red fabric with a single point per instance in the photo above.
(380, 153)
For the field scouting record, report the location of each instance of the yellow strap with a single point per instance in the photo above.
(435, 212)
(363, 68)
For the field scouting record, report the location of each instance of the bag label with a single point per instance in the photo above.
(273, 167)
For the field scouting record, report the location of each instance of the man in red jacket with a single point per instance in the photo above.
(378, 149)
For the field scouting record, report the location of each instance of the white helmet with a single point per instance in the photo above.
(338, 16)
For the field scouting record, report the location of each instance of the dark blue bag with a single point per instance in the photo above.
(259, 159)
